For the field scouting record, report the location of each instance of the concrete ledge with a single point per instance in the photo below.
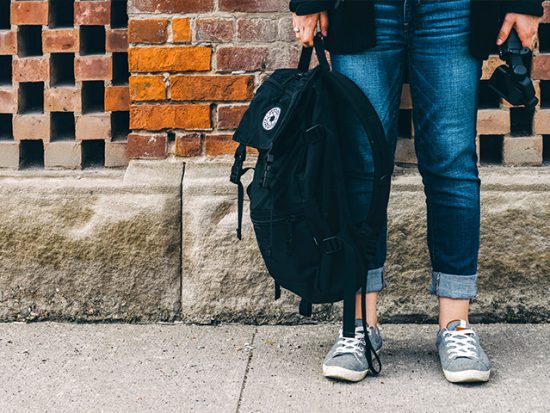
(109, 246)
(91, 245)
(225, 280)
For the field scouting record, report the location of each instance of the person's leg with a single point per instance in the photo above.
(379, 73)
(444, 85)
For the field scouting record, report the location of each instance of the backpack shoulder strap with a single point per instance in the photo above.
(237, 171)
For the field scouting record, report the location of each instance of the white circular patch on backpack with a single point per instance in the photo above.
(271, 118)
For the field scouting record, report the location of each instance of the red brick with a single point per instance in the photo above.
(8, 100)
(220, 145)
(254, 5)
(60, 40)
(92, 12)
(188, 145)
(151, 146)
(31, 69)
(117, 98)
(546, 17)
(93, 68)
(181, 30)
(541, 67)
(542, 122)
(214, 30)
(221, 88)
(170, 6)
(116, 40)
(286, 34)
(148, 31)
(241, 58)
(62, 99)
(169, 59)
(29, 12)
(93, 126)
(147, 88)
(157, 117)
(257, 30)
(31, 127)
(8, 43)
(229, 116)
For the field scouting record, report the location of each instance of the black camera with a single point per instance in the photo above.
(512, 81)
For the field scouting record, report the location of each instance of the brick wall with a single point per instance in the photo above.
(194, 66)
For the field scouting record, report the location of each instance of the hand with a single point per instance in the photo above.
(525, 25)
(307, 26)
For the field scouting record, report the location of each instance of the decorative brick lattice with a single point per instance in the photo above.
(64, 100)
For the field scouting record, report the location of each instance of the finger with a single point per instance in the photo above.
(308, 33)
(324, 24)
(505, 30)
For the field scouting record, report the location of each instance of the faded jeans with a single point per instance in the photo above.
(429, 39)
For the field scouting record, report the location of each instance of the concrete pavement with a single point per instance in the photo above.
(236, 368)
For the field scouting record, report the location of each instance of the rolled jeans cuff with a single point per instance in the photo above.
(375, 280)
(454, 286)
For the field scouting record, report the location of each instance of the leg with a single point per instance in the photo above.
(379, 73)
(444, 86)
(383, 87)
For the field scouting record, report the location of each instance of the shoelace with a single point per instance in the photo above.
(461, 343)
(351, 345)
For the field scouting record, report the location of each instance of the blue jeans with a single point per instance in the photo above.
(429, 38)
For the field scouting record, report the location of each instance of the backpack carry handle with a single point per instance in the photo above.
(307, 54)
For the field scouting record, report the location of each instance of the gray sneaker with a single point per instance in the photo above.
(462, 358)
(346, 359)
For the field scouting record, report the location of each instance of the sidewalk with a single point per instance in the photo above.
(235, 368)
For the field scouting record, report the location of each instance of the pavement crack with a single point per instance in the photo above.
(245, 378)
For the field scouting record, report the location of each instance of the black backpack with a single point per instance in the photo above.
(308, 240)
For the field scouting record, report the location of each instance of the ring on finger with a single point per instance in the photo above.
(296, 30)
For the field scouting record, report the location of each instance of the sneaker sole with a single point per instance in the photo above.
(340, 373)
(467, 376)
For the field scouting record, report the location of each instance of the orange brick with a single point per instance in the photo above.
(157, 117)
(29, 12)
(117, 98)
(170, 59)
(148, 31)
(181, 30)
(147, 88)
(220, 145)
(188, 145)
(222, 88)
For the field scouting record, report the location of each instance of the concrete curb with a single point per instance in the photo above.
(225, 280)
(91, 245)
